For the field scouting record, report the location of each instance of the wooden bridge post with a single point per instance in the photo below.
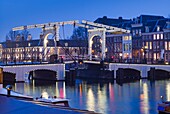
(1, 75)
(151, 75)
(119, 74)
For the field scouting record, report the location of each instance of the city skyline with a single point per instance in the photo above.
(18, 13)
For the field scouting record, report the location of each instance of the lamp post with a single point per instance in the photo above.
(120, 54)
(66, 50)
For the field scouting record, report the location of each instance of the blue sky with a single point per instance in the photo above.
(23, 12)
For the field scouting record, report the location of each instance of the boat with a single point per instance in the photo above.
(164, 107)
(45, 98)
(53, 100)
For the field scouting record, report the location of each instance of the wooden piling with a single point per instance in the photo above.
(151, 74)
(1, 75)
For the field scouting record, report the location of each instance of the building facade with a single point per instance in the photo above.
(33, 50)
(150, 37)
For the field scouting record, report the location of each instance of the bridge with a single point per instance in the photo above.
(21, 70)
(142, 68)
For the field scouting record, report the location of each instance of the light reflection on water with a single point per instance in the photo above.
(105, 97)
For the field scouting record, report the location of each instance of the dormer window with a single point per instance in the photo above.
(146, 29)
(168, 25)
(158, 28)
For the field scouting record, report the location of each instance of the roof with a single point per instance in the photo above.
(33, 43)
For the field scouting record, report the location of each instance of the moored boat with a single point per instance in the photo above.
(45, 98)
(53, 100)
(164, 107)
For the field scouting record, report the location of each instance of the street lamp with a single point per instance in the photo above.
(120, 54)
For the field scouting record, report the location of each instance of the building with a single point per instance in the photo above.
(33, 50)
(150, 38)
(148, 41)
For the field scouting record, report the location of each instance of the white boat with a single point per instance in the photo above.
(53, 100)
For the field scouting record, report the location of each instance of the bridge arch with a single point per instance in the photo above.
(97, 32)
(96, 46)
(9, 76)
(42, 74)
(44, 37)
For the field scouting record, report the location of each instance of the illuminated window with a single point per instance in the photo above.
(157, 36)
(130, 37)
(29, 44)
(40, 49)
(169, 46)
(140, 32)
(161, 36)
(166, 46)
(150, 45)
(146, 44)
(154, 56)
(125, 38)
(154, 36)
(126, 47)
(158, 28)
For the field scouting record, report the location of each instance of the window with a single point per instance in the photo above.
(161, 36)
(157, 36)
(139, 32)
(154, 36)
(130, 47)
(158, 28)
(126, 47)
(154, 56)
(154, 45)
(166, 36)
(166, 46)
(147, 44)
(150, 45)
(125, 38)
(161, 44)
(133, 32)
(146, 29)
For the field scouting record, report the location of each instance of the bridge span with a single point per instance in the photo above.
(143, 68)
(21, 70)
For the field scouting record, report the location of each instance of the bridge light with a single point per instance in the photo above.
(166, 62)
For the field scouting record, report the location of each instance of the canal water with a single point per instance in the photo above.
(140, 97)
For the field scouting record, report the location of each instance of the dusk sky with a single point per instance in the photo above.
(23, 12)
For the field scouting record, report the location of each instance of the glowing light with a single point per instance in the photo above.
(168, 91)
(44, 95)
(144, 98)
(90, 100)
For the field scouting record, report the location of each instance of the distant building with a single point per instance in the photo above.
(33, 50)
(150, 37)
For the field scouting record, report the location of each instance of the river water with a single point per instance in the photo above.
(140, 97)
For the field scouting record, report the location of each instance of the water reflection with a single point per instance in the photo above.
(168, 91)
(139, 97)
(144, 106)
